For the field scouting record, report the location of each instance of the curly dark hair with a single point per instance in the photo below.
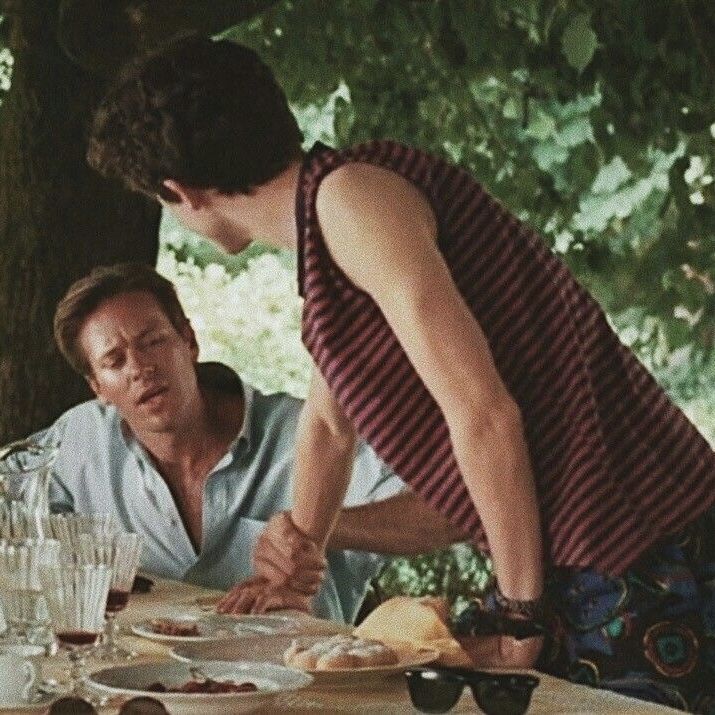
(207, 113)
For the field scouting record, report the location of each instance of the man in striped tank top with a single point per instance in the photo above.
(446, 335)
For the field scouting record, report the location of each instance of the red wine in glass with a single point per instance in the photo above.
(116, 600)
(77, 639)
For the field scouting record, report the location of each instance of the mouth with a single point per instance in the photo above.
(151, 395)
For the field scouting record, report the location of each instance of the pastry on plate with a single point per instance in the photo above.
(340, 653)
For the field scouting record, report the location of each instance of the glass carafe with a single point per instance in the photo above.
(25, 468)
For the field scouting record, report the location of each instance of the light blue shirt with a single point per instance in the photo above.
(102, 468)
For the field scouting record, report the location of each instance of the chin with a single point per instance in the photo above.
(232, 244)
(160, 424)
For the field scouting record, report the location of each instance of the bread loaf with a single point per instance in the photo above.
(419, 621)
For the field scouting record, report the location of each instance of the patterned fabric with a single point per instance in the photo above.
(649, 633)
(617, 465)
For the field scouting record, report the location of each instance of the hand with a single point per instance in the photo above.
(279, 598)
(500, 651)
(242, 597)
(256, 595)
(286, 557)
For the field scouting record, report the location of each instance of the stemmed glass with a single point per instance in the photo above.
(121, 552)
(23, 603)
(67, 528)
(76, 598)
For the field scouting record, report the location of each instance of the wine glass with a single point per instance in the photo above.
(23, 603)
(121, 552)
(67, 528)
(76, 599)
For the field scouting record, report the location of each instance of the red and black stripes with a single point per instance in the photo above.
(617, 465)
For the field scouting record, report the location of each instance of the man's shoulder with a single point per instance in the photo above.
(91, 412)
(276, 407)
(89, 424)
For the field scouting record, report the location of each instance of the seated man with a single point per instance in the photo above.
(195, 461)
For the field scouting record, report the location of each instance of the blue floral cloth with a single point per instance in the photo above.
(650, 633)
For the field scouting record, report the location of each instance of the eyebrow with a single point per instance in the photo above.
(115, 348)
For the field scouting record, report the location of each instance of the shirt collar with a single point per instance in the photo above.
(246, 434)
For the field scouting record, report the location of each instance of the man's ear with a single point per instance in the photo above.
(187, 332)
(185, 194)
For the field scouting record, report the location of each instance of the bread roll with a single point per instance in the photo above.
(340, 652)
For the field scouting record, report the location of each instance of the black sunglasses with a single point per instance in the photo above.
(71, 705)
(437, 690)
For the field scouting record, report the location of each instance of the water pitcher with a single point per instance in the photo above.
(25, 468)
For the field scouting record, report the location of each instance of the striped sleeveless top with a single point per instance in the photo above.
(617, 465)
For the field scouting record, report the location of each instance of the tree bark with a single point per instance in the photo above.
(100, 35)
(57, 217)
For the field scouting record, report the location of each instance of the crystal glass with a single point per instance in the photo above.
(121, 552)
(23, 603)
(24, 487)
(67, 528)
(76, 599)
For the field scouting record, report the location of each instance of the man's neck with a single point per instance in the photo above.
(188, 452)
(268, 212)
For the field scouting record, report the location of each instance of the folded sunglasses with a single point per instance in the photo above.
(437, 690)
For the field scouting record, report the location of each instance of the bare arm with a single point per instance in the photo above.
(400, 525)
(381, 232)
(325, 451)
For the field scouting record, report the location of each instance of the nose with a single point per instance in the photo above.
(140, 366)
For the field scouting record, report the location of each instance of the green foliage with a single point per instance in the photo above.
(579, 42)
(582, 117)
(458, 573)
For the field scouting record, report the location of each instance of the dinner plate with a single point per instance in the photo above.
(130, 681)
(218, 627)
(271, 649)
(41, 703)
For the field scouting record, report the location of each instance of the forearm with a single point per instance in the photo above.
(322, 473)
(494, 460)
(400, 525)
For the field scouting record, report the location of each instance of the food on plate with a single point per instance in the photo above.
(171, 627)
(420, 621)
(204, 687)
(340, 652)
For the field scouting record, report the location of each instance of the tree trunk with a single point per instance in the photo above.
(100, 35)
(57, 217)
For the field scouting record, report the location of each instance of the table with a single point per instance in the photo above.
(390, 696)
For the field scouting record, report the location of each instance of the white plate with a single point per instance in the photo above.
(42, 703)
(219, 627)
(131, 681)
(272, 648)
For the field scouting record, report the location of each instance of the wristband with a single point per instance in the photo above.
(531, 610)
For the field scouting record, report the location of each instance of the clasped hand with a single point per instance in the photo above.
(288, 570)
